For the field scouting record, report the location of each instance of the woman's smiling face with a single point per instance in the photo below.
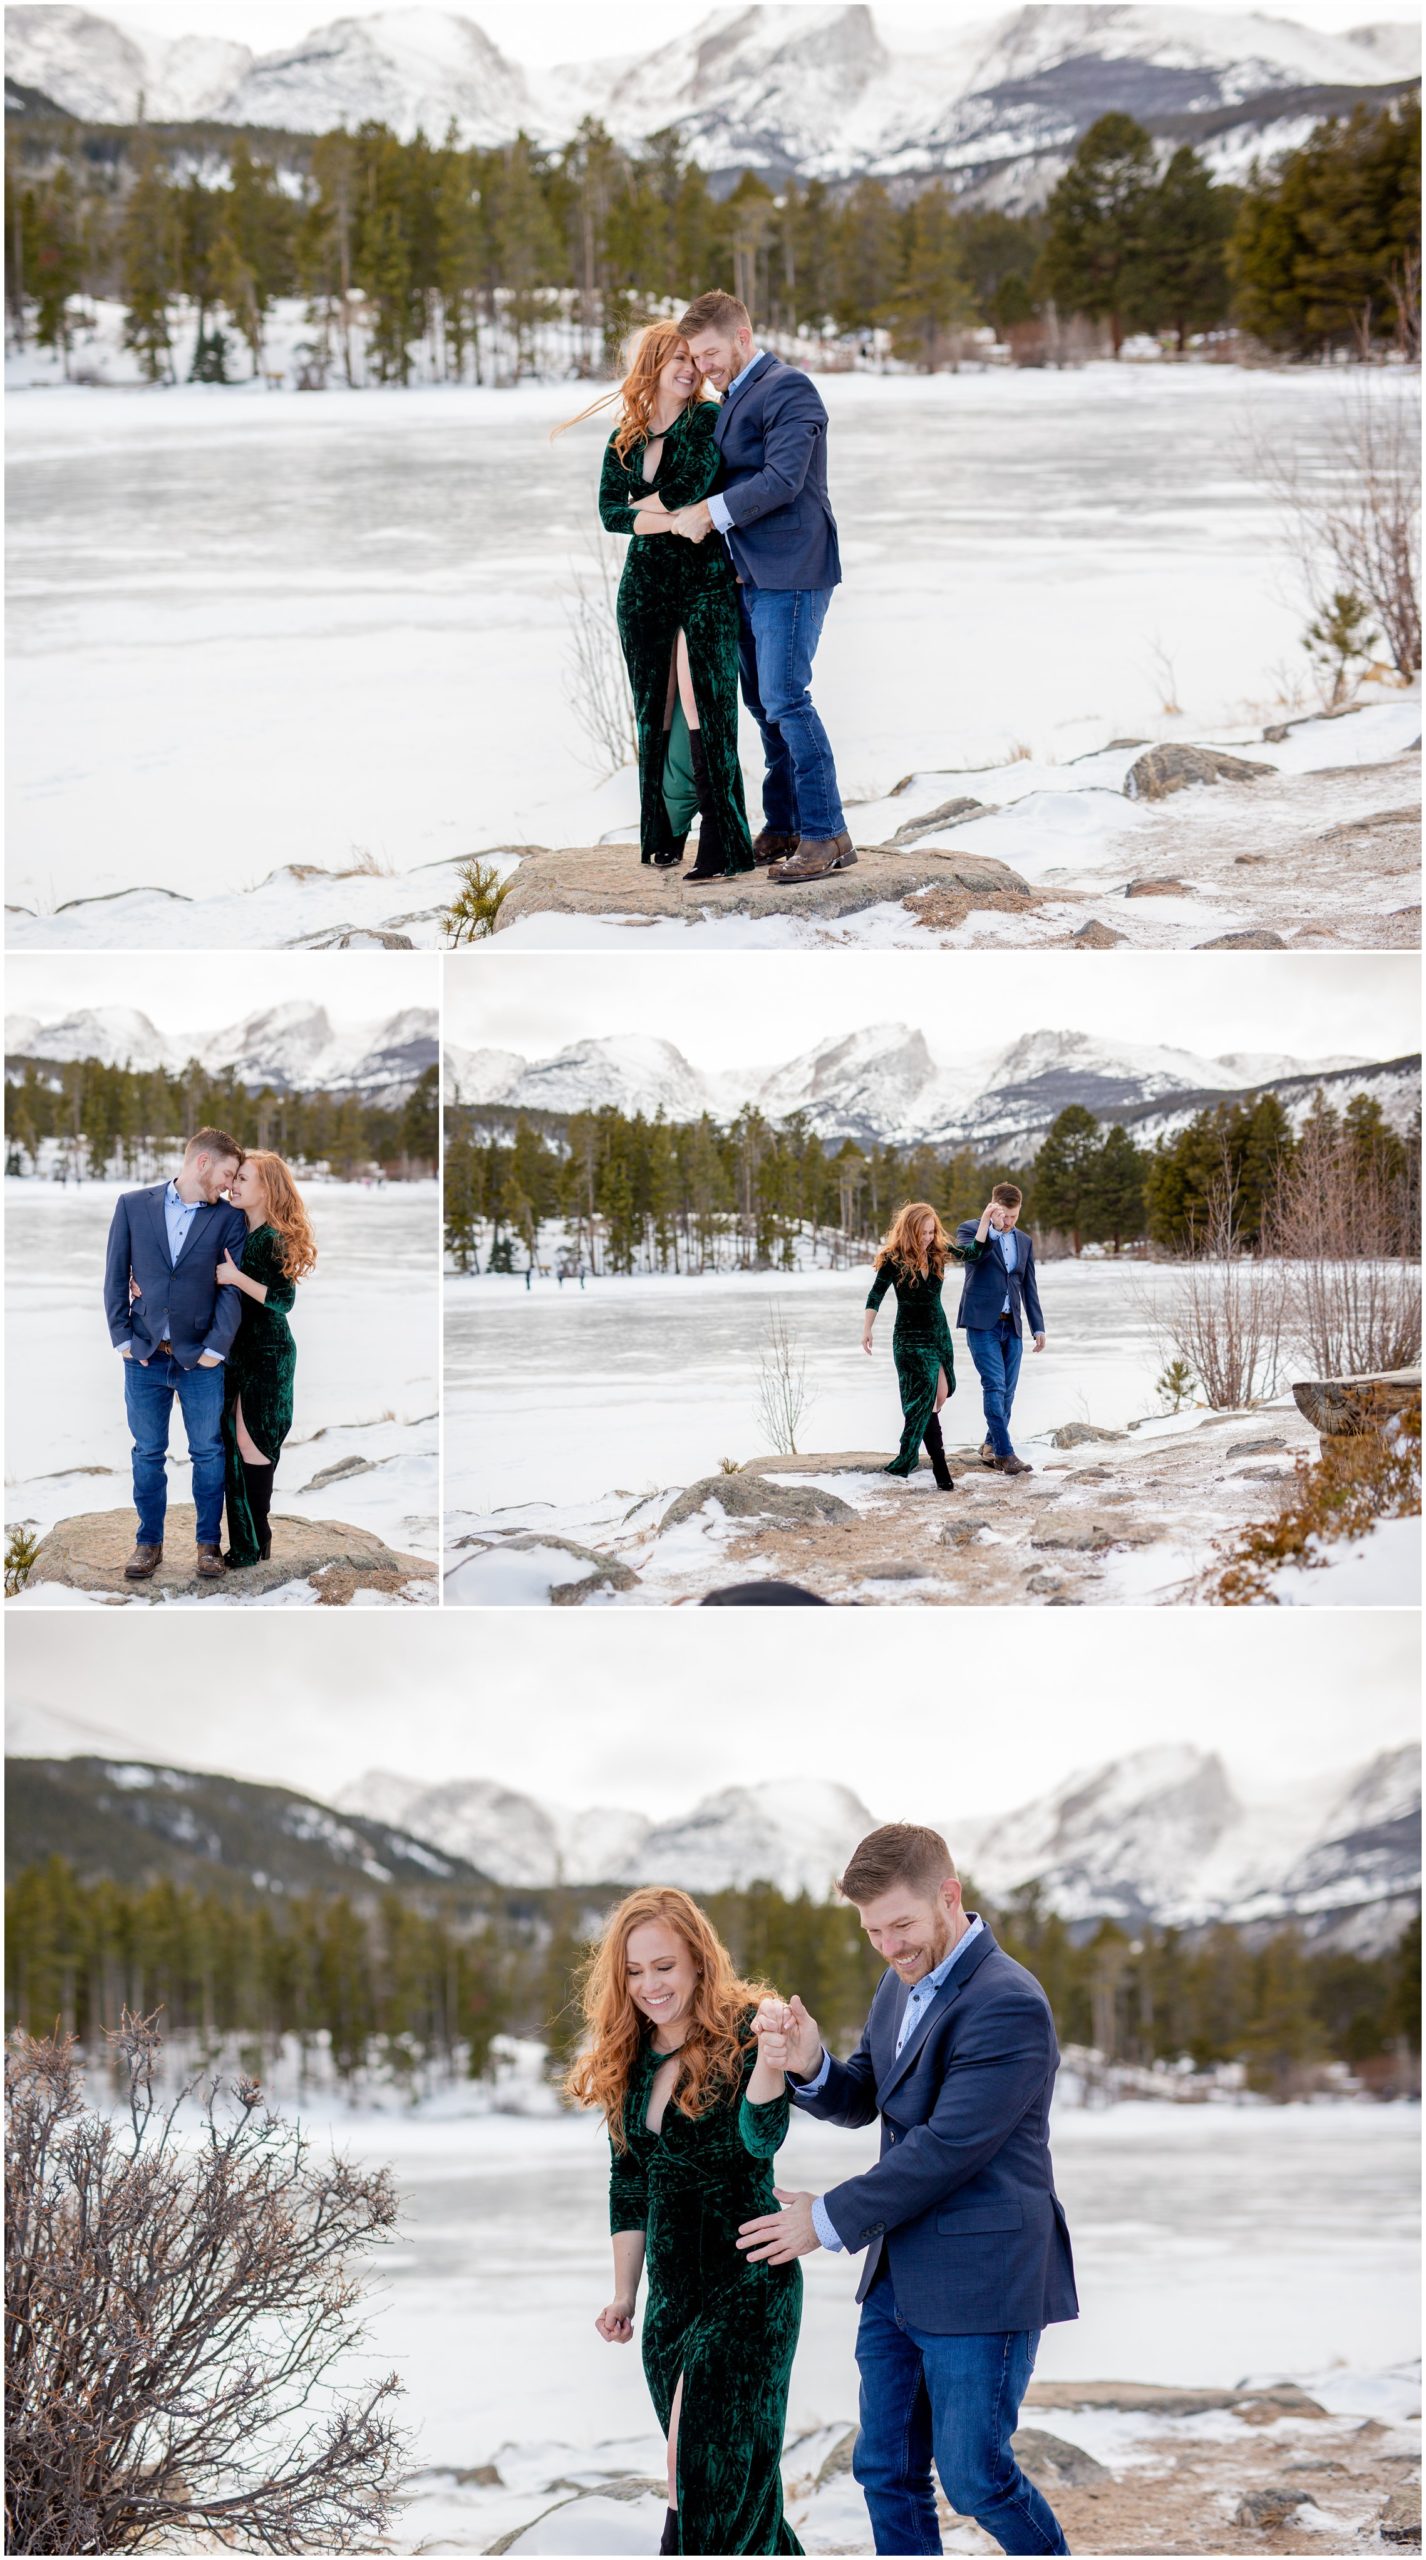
(661, 1975)
(679, 378)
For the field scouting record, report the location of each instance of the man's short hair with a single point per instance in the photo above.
(213, 1142)
(899, 1853)
(722, 312)
(1007, 1195)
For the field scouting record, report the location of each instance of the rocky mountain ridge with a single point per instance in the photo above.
(833, 92)
(883, 1084)
(291, 1048)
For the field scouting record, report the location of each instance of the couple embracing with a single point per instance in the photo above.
(965, 2251)
(717, 472)
(200, 1277)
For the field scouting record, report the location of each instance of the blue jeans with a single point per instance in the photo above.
(148, 1402)
(996, 1352)
(955, 2401)
(777, 643)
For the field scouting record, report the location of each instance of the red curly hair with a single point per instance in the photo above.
(286, 1214)
(637, 395)
(719, 2030)
(901, 1245)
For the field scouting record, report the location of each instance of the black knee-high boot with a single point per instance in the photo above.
(258, 1480)
(712, 863)
(936, 1452)
(669, 2539)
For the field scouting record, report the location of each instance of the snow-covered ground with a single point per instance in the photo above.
(557, 1394)
(367, 1363)
(334, 631)
(1212, 2244)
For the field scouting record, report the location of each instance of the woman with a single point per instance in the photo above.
(912, 1261)
(696, 2107)
(257, 1409)
(678, 610)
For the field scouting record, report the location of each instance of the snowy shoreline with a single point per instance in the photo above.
(1023, 553)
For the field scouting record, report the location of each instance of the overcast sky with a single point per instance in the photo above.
(655, 1710)
(570, 30)
(772, 1005)
(205, 992)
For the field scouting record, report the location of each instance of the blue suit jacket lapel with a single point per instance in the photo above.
(950, 1990)
(726, 407)
(160, 1221)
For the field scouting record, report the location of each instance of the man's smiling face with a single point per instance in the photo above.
(718, 359)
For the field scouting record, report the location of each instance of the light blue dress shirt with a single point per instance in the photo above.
(178, 1217)
(1005, 1238)
(921, 1996)
(718, 504)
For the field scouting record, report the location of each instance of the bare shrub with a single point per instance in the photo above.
(1224, 1316)
(784, 1397)
(1354, 517)
(1345, 1226)
(177, 2295)
(1336, 1499)
(599, 689)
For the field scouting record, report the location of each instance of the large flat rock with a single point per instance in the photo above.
(1345, 1408)
(610, 880)
(89, 1552)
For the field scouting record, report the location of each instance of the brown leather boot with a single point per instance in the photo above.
(143, 1563)
(209, 1567)
(1013, 1466)
(770, 846)
(815, 859)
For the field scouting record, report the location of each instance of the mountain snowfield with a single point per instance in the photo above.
(883, 1083)
(1162, 1835)
(292, 1048)
(829, 92)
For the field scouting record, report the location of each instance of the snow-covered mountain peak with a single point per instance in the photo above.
(291, 1047)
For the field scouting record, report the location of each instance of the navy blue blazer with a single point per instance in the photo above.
(962, 2202)
(773, 442)
(984, 1290)
(181, 1302)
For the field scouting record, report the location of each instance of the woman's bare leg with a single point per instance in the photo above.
(675, 2415)
(684, 673)
(942, 1390)
(247, 1446)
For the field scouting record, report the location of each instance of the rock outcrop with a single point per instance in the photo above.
(610, 880)
(1173, 768)
(1347, 1408)
(89, 1552)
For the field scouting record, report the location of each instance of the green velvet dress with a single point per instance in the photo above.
(261, 1365)
(730, 2329)
(669, 586)
(920, 1347)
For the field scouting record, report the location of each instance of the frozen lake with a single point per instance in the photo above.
(337, 627)
(1212, 2244)
(561, 1394)
(366, 1329)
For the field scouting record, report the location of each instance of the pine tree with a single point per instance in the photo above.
(1115, 1205)
(1189, 224)
(933, 298)
(148, 269)
(1065, 1171)
(56, 260)
(1097, 227)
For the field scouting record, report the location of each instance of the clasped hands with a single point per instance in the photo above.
(788, 2040)
(693, 524)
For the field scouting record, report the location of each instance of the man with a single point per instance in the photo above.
(967, 2250)
(998, 1288)
(173, 1337)
(777, 519)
